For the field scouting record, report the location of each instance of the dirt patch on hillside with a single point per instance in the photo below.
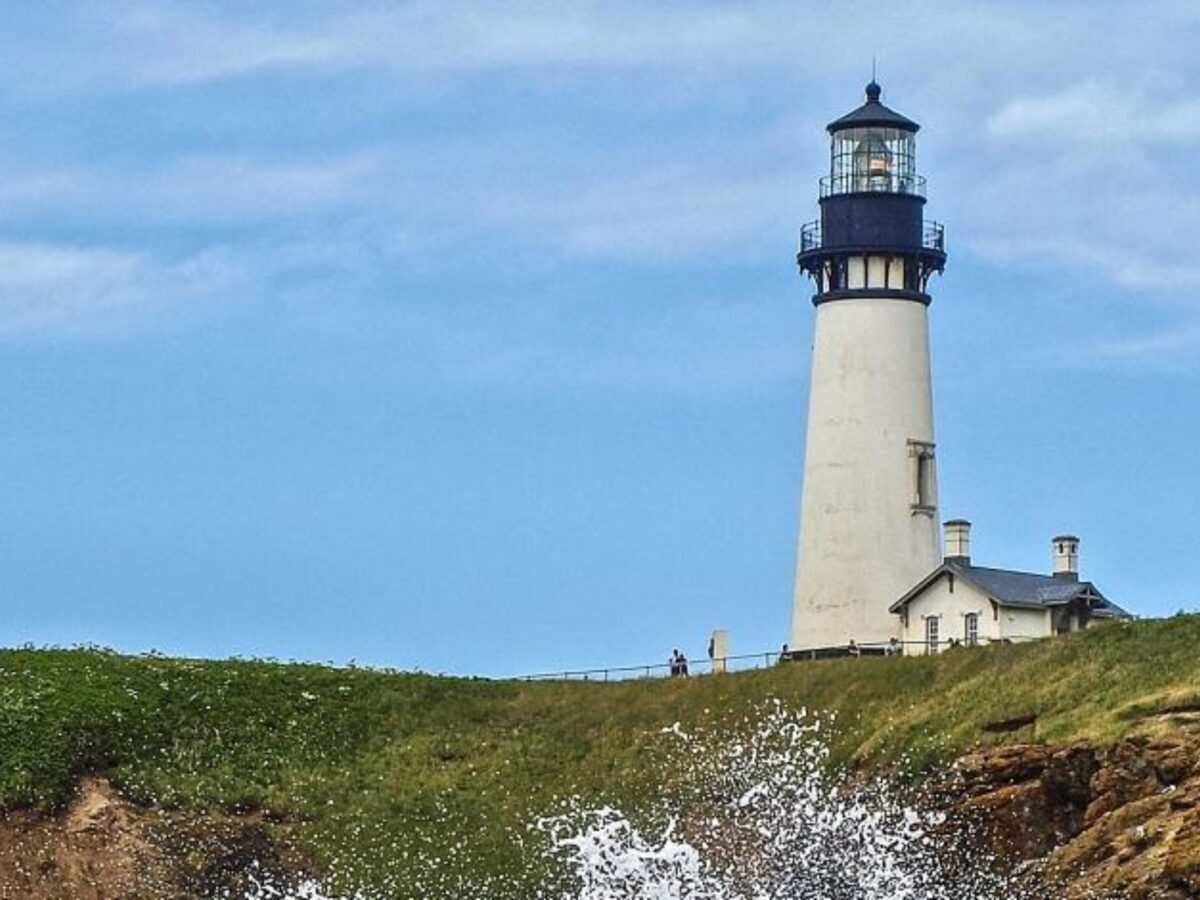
(101, 847)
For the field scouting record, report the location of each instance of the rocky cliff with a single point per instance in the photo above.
(1119, 822)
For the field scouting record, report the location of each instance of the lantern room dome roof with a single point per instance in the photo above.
(873, 114)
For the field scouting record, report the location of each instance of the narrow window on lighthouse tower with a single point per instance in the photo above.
(925, 480)
(922, 476)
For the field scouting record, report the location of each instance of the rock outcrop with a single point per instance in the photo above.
(1120, 822)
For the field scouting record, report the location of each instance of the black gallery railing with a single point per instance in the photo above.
(933, 236)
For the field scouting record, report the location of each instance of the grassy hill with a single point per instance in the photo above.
(367, 767)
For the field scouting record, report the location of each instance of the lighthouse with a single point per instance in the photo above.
(869, 526)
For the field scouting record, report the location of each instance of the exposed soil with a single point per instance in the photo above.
(104, 848)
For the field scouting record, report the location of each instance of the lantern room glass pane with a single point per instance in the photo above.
(873, 159)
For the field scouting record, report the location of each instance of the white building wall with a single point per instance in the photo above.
(1018, 624)
(862, 544)
(951, 601)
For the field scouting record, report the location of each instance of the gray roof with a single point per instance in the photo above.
(1029, 590)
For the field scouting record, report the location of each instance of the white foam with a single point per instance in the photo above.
(764, 818)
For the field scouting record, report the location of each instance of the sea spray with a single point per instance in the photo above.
(759, 814)
(611, 858)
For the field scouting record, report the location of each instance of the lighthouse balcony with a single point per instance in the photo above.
(933, 237)
(899, 269)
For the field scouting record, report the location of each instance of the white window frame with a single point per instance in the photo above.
(971, 629)
(933, 636)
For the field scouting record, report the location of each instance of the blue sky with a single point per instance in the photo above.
(467, 336)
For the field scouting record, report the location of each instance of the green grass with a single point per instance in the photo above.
(370, 767)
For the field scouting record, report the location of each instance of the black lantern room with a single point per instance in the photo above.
(872, 239)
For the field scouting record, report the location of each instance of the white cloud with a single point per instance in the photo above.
(57, 290)
(180, 43)
(667, 211)
(703, 339)
(1103, 256)
(671, 213)
(1172, 349)
(145, 44)
(1092, 112)
(191, 189)
(1047, 148)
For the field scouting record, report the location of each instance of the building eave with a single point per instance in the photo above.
(1104, 608)
(919, 588)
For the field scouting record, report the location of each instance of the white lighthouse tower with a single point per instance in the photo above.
(868, 522)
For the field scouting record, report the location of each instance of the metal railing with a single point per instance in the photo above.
(933, 236)
(701, 666)
(810, 236)
(862, 183)
(750, 661)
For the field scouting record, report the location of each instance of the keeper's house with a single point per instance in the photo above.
(963, 603)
